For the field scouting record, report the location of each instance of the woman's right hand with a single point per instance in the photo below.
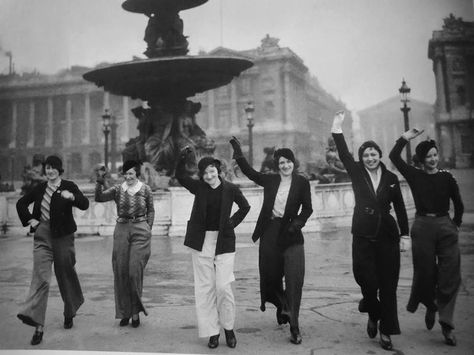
(411, 133)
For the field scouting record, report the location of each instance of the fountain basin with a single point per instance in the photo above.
(160, 78)
(154, 6)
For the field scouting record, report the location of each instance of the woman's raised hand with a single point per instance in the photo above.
(337, 122)
(234, 142)
(412, 133)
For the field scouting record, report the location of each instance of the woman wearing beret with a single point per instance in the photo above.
(210, 235)
(435, 248)
(376, 237)
(281, 251)
(132, 238)
(53, 224)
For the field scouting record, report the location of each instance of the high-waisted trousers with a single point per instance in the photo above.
(376, 267)
(436, 266)
(131, 251)
(213, 277)
(61, 253)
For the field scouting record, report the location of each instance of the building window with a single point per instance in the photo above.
(223, 92)
(245, 86)
(461, 95)
(466, 144)
(269, 109)
(224, 118)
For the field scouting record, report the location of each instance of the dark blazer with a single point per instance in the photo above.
(372, 208)
(61, 219)
(196, 228)
(298, 196)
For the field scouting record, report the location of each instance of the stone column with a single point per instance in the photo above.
(48, 142)
(86, 138)
(211, 111)
(234, 113)
(14, 125)
(439, 75)
(68, 124)
(124, 130)
(30, 142)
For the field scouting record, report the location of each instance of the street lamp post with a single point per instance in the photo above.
(249, 110)
(404, 98)
(106, 117)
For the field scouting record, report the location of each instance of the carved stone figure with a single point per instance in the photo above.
(268, 165)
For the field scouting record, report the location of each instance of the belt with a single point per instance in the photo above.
(131, 219)
(434, 215)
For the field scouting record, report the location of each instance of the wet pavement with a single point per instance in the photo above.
(329, 320)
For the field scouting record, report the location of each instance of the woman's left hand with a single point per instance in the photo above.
(67, 195)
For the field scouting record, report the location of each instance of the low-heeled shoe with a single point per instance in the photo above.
(124, 322)
(449, 337)
(230, 338)
(136, 322)
(68, 322)
(386, 343)
(282, 318)
(37, 338)
(295, 337)
(371, 328)
(430, 317)
(213, 341)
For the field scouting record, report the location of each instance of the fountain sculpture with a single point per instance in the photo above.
(165, 81)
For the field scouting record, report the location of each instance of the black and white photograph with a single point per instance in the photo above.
(236, 177)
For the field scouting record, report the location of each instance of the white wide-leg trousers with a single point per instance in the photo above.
(213, 276)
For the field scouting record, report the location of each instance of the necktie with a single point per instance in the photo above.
(46, 202)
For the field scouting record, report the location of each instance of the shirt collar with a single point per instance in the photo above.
(132, 190)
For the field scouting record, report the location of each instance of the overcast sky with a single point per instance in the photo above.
(358, 49)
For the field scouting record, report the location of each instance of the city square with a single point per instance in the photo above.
(192, 84)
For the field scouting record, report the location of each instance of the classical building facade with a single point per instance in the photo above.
(384, 124)
(452, 52)
(61, 113)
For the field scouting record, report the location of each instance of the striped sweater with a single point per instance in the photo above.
(140, 204)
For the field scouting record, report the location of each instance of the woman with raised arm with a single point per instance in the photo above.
(210, 235)
(436, 256)
(132, 239)
(281, 251)
(376, 237)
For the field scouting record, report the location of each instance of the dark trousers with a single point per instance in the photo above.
(376, 267)
(436, 266)
(131, 251)
(274, 263)
(61, 253)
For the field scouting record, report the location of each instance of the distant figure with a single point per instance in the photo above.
(268, 165)
(34, 175)
(335, 165)
(54, 226)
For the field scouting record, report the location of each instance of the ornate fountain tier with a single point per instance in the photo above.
(157, 6)
(159, 79)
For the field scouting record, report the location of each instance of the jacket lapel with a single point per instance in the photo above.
(291, 194)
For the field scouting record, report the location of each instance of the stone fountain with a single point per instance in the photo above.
(165, 81)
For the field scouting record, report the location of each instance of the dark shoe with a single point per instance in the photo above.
(124, 322)
(371, 328)
(449, 337)
(37, 338)
(386, 342)
(230, 338)
(213, 341)
(282, 318)
(430, 317)
(68, 323)
(136, 322)
(295, 337)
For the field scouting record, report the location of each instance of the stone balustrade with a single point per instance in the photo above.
(332, 208)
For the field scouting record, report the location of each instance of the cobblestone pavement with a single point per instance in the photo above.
(329, 320)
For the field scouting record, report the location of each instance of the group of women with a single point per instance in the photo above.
(286, 207)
